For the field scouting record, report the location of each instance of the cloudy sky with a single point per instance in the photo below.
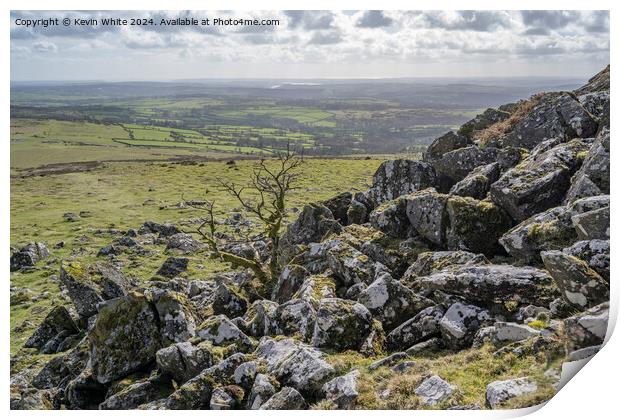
(315, 44)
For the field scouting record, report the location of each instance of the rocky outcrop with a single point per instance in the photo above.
(541, 180)
(557, 115)
(398, 177)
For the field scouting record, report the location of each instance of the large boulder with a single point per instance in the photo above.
(290, 280)
(229, 301)
(478, 182)
(455, 165)
(342, 390)
(593, 176)
(341, 324)
(599, 82)
(220, 331)
(426, 213)
(589, 327)
(315, 288)
(350, 266)
(177, 318)
(541, 180)
(594, 224)
(461, 322)
(581, 286)
(88, 287)
(444, 144)
(390, 217)
(390, 302)
(57, 326)
(29, 255)
(286, 399)
(297, 316)
(183, 361)
(314, 223)
(552, 229)
(136, 394)
(197, 392)
(399, 177)
(492, 283)
(595, 253)
(294, 364)
(262, 389)
(557, 115)
(339, 205)
(434, 390)
(63, 368)
(475, 225)
(431, 262)
(260, 318)
(423, 326)
(125, 337)
(499, 392)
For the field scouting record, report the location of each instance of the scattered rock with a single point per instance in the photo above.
(184, 242)
(173, 266)
(460, 324)
(287, 399)
(342, 391)
(434, 390)
(499, 392)
(588, 328)
(28, 256)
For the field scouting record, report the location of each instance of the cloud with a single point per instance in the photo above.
(551, 19)
(325, 38)
(374, 19)
(309, 19)
(44, 47)
(467, 20)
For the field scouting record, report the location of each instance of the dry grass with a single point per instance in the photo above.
(502, 127)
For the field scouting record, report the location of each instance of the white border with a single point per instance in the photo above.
(593, 394)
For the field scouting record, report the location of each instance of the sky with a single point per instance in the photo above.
(313, 44)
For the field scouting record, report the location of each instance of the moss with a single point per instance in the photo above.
(538, 324)
(551, 232)
(74, 269)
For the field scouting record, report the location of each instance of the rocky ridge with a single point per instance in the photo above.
(502, 244)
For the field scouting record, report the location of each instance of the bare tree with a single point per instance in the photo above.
(270, 185)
